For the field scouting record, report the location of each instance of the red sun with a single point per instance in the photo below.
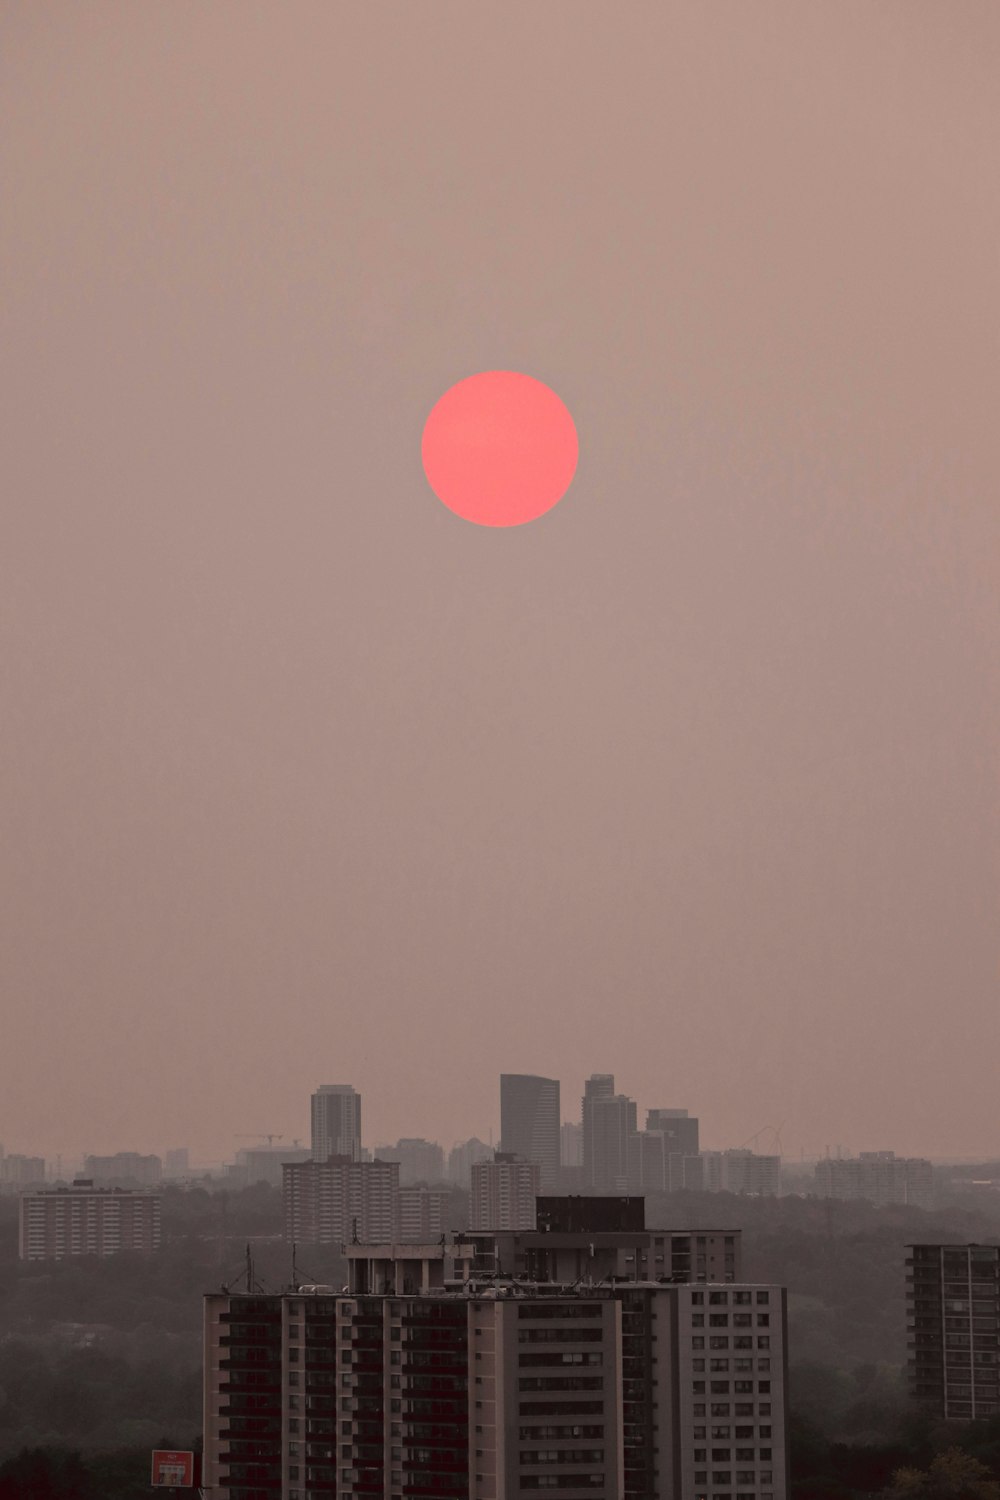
(499, 448)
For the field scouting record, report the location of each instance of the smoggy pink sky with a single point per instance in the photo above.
(695, 779)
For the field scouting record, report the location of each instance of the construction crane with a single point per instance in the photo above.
(772, 1130)
(259, 1135)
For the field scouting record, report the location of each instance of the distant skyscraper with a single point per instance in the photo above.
(571, 1144)
(953, 1305)
(609, 1122)
(529, 1122)
(336, 1122)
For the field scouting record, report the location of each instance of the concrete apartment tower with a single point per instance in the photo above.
(953, 1310)
(530, 1123)
(503, 1193)
(336, 1122)
(435, 1375)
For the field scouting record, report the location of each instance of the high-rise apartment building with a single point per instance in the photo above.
(124, 1169)
(609, 1122)
(879, 1177)
(741, 1171)
(529, 1122)
(330, 1202)
(503, 1193)
(419, 1160)
(462, 1157)
(335, 1116)
(953, 1313)
(57, 1223)
(481, 1387)
(17, 1171)
(422, 1213)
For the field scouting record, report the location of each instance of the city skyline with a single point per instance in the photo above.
(695, 777)
(769, 1140)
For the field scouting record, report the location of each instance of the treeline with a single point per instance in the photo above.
(63, 1474)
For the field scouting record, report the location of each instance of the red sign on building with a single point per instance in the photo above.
(172, 1470)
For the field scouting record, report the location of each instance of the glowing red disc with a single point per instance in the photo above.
(499, 448)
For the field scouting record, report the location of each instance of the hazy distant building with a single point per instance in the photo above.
(330, 1202)
(419, 1160)
(461, 1158)
(61, 1222)
(335, 1117)
(741, 1171)
(422, 1213)
(263, 1164)
(17, 1171)
(124, 1169)
(953, 1310)
(654, 1168)
(571, 1144)
(176, 1162)
(878, 1177)
(609, 1122)
(529, 1122)
(503, 1193)
(679, 1129)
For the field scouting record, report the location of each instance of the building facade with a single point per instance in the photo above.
(953, 1315)
(530, 1122)
(62, 1222)
(741, 1171)
(609, 1123)
(17, 1171)
(503, 1193)
(330, 1202)
(879, 1177)
(335, 1119)
(462, 1157)
(419, 1160)
(637, 1392)
(423, 1212)
(124, 1169)
(679, 1129)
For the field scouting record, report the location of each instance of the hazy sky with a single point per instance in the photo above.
(307, 780)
